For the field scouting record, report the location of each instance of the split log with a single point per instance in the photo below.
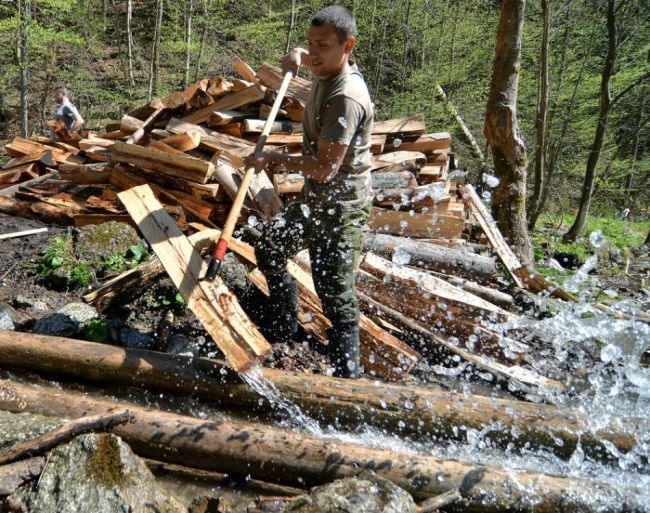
(433, 287)
(17, 175)
(86, 173)
(423, 196)
(211, 140)
(433, 412)
(251, 94)
(291, 457)
(271, 76)
(417, 225)
(495, 296)
(36, 210)
(85, 144)
(400, 161)
(244, 70)
(129, 124)
(65, 433)
(265, 110)
(43, 157)
(288, 183)
(220, 118)
(14, 475)
(392, 179)
(428, 143)
(436, 258)
(190, 168)
(282, 127)
(214, 305)
(161, 146)
(184, 142)
(133, 282)
(146, 125)
(218, 86)
(123, 179)
(238, 84)
(295, 109)
(410, 125)
(432, 173)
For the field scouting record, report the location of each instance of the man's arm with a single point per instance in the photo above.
(77, 123)
(321, 168)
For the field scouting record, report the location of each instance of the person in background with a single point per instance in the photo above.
(66, 112)
(329, 215)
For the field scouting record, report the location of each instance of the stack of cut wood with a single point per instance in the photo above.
(172, 168)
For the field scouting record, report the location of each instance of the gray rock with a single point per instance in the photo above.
(41, 306)
(180, 344)
(98, 473)
(98, 242)
(7, 318)
(365, 493)
(21, 301)
(68, 321)
(133, 339)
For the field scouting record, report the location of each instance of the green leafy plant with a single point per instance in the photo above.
(137, 255)
(59, 253)
(115, 263)
(95, 331)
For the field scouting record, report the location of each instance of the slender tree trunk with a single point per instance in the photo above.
(541, 120)
(601, 129)
(407, 41)
(155, 53)
(47, 87)
(129, 41)
(556, 148)
(188, 40)
(24, 16)
(204, 33)
(502, 132)
(292, 23)
(635, 154)
(452, 51)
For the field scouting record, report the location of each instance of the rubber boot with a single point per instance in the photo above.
(283, 289)
(344, 350)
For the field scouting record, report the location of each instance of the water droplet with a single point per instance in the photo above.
(397, 142)
(343, 122)
(306, 211)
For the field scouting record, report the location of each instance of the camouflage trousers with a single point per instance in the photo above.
(333, 237)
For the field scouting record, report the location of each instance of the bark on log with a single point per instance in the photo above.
(436, 258)
(68, 431)
(431, 413)
(280, 455)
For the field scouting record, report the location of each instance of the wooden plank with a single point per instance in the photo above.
(272, 76)
(400, 126)
(43, 156)
(224, 117)
(489, 226)
(22, 233)
(278, 127)
(251, 94)
(428, 143)
(190, 168)
(244, 70)
(18, 174)
(211, 140)
(214, 305)
(399, 161)
(418, 225)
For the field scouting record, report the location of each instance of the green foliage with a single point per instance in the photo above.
(138, 254)
(95, 331)
(59, 253)
(166, 297)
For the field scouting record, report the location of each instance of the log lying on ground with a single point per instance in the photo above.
(420, 412)
(429, 225)
(214, 305)
(436, 258)
(290, 457)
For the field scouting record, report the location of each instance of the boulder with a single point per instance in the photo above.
(98, 473)
(7, 318)
(96, 243)
(67, 321)
(365, 493)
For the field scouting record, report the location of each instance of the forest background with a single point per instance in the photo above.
(114, 55)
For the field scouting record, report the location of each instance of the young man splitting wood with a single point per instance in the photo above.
(329, 216)
(66, 112)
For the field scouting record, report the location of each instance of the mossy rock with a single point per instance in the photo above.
(98, 473)
(97, 243)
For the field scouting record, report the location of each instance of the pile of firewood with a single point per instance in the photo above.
(173, 166)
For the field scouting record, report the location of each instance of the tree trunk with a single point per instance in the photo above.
(22, 52)
(188, 41)
(129, 41)
(635, 152)
(204, 32)
(307, 460)
(292, 23)
(502, 132)
(541, 127)
(601, 128)
(155, 53)
(433, 412)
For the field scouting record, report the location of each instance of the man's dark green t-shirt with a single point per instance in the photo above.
(339, 110)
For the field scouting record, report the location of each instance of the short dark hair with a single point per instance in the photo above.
(340, 18)
(61, 88)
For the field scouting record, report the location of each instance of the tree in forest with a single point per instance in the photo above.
(607, 104)
(24, 16)
(503, 135)
(154, 64)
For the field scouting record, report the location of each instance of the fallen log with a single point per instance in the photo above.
(251, 94)
(290, 457)
(68, 431)
(421, 225)
(430, 256)
(431, 412)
